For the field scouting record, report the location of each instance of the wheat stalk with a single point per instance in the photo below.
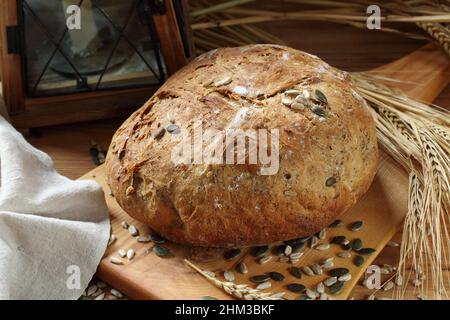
(240, 291)
(439, 33)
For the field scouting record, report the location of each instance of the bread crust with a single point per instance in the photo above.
(229, 205)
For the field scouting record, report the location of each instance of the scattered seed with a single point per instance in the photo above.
(328, 260)
(112, 239)
(124, 225)
(229, 276)
(388, 286)
(338, 272)
(313, 242)
(232, 254)
(116, 293)
(293, 92)
(265, 259)
(323, 246)
(311, 294)
(173, 128)
(283, 259)
(308, 271)
(161, 251)
(287, 250)
(356, 244)
(143, 239)
(297, 106)
(345, 242)
(336, 224)
(223, 82)
(392, 244)
(322, 234)
(328, 264)
(296, 255)
(330, 281)
(320, 96)
(133, 230)
(356, 226)
(336, 287)
(294, 261)
(320, 288)
(115, 260)
(366, 251)
(259, 251)
(317, 269)
(156, 238)
(276, 276)
(331, 181)
(264, 285)
(345, 277)
(131, 254)
(296, 287)
(338, 239)
(243, 268)
(260, 278)
(296, 272)
(358, 261)
(122, 253)
(159, 133)
(286, 101)
(344, 254)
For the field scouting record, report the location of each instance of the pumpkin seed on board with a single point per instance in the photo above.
(232, 254)
(366, 251)
(336, 224)
(356, 226)
(356, 244)
(336, 287)
(296, 287)
(337, 272)
(296, 272)
(161, 251)
(156, 238)
(276, 276)
(259, 278)
(259, 251)
(358, 261)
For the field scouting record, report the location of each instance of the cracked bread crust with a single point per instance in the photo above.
(233, 205)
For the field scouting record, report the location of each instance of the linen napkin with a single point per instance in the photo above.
(53, 230)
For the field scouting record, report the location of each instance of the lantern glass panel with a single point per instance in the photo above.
(106, 44)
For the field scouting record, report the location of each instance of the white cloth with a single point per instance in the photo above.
(50, 227)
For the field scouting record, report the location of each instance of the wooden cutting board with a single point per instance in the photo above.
(424, 73)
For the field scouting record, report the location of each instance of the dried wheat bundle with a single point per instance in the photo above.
(431, 16)
(417, 136)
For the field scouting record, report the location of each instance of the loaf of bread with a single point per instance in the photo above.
(317, 126)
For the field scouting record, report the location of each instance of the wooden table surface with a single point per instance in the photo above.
(342, 46)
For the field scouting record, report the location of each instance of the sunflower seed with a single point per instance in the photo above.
(345, 277)
(356, 226)
(308, 271)
(229, 276)
(358, 261)
(232, 254)
(130, 254)
(328, 260)
(286, 101)
(287, 250)
(337, 272)
(314, 240)
(336, 287)
(328, 264)
(317, 269)
(294, 261)
(311, 294)
(91, 290)
(265, 259)
(356, 244)
(320, 96)
(100, 297)
(243, 268)
(392, 244)
(173, 128)
(122, 253)
(260, 278)
(323, 246)
(293, 92)
(331, 181)
(112, 239)
(223, 82)
(159, 133)
(116, 293)
(264, 285)
(330, 281)
(320, 288)
(124, 225)
(366, 251)
(296, 272)
(97, 293)
(133, 230)
(276, 276)
(161, 251)
(259, 251)
(156, 238)
(344, 254)
(345, 242)
(336, 224)
(297, 106)
(322, 234)
(296, 255)
(296, 287)
(115, 260)
(388, 286)
(384, 271)
(143, 239)
(338, 239)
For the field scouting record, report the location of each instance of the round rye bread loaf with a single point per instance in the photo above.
(309, 151)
